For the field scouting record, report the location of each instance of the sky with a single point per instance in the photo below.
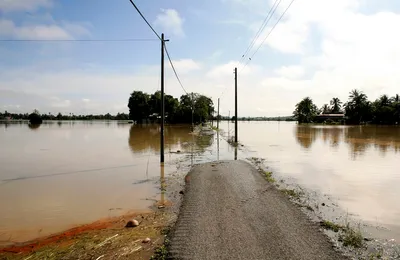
(320, 48)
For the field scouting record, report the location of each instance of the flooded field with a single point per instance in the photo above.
(63, 174)
(358, 166)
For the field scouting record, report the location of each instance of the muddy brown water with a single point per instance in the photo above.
(358, 166)
(62, 174)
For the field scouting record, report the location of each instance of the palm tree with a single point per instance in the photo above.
(336, 105)
(384, 100)
(358, 107)
(396, 98)
(305, 111)
(326, 109)
(357, 97)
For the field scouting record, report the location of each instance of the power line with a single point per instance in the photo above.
(173, 68)
(137, 9)
(272, 29)
(262, 27)
(77, 40)
(179, 80)
(258, 34)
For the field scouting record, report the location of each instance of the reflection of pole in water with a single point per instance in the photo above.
(235, 153)
(162, 184)
(218, 145)
(229, 119)
(192, 147)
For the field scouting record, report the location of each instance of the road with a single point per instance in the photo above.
(230, 211)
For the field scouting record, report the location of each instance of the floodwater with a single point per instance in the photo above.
(64, 174)
(358, 166)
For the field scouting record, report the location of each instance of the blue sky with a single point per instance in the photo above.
(321, 49)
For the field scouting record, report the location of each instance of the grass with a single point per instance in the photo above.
(268, 177)
(291, 193)
(162, 253)
(377, 255)
(348, 236)
(232, 142)
(331, 226)
(352, 237)
(256, 160)
(214, 128)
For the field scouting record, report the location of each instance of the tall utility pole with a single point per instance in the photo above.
(218, 116)
(162, 100)
(236, 112)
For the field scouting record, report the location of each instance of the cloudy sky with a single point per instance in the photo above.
(321, 49)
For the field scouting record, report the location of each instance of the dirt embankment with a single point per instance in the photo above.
(103, 239)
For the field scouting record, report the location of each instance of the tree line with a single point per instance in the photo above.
(60, 116)
(145, 107)
(357, 110)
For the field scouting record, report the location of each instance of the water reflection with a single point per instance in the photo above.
(305, 136)
(358, 138)
(162, 185)
(33, 126)
(146, 138)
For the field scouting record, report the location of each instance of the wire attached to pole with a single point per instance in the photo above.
(140, 13)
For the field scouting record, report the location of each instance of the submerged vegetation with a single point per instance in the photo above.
(357, 110)
(348, 235)
(331, 226)
(291, 193)
(268, 177)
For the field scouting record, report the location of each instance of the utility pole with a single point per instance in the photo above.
(218, 116)
(162, 100)
(236, 112)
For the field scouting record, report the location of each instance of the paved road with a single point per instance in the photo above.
(230, 212)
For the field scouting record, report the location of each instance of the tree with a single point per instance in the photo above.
(305, 111)
(326, 109)
(383, 111)
(396, 98)
(203, 108)
(35, 118)
(336, 105)
(138, 106)
(171, 107)
(396, 108)
(59, 116)
(358, 108)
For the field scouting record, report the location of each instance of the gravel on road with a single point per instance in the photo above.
(230, 211)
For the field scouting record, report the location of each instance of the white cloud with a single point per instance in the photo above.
(23, 5)
(322, 49)
(170, 21)
(47, 32)
(184, 66)
(293, 71)
(227, 70)
(286, 37)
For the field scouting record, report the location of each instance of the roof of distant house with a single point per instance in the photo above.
(331, 115)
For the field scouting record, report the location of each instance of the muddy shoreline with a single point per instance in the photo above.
(106, 238)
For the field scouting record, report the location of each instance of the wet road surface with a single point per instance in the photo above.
(230, 212)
